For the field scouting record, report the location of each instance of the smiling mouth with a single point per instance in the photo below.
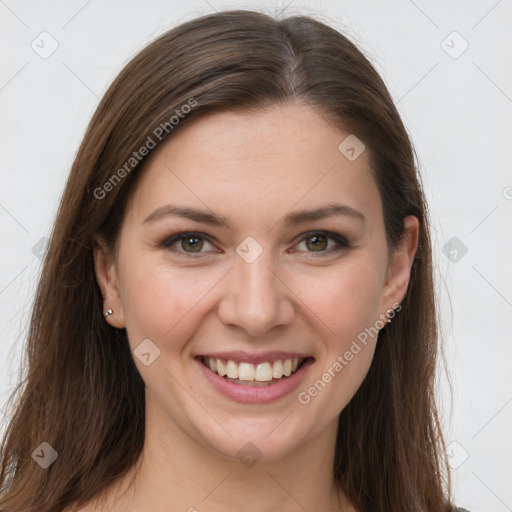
(248, 374)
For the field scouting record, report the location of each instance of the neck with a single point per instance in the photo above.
(178, 472)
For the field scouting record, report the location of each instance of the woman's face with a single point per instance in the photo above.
(286, 260)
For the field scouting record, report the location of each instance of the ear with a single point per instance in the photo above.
(106, 276)
(399, 267)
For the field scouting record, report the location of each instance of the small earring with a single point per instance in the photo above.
(107, 313)
(390, 313)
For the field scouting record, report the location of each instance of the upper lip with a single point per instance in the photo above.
(262, 357)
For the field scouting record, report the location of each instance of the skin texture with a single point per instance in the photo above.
(253, 169)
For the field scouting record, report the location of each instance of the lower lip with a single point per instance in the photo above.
(255, 394)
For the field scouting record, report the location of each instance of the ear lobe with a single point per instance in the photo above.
(399, 268)
(106, 276)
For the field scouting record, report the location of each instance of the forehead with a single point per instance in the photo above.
(258, 162)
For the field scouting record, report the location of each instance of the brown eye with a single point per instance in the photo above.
(194, 243)
(316, 242)
(187, 243)
(323, 243)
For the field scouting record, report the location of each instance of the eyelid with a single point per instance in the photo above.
(180, 235)
(341, 241)
(329, 234)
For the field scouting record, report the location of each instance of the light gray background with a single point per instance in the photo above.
(457, 110)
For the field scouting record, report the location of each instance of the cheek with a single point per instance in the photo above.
(347, 300)
(161, 302)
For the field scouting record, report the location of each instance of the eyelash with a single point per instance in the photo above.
(343, 244)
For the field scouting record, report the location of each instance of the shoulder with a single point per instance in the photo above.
(460, 509)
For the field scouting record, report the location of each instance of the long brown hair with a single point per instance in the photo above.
(82, 393)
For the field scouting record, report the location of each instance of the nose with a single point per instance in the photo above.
(256, 299)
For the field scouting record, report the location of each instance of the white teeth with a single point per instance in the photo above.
(221, 369)
(232, 370)
(277, 371)
(262, 372)
(287, 367)
(245, 371)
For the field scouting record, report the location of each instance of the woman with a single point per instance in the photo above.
(236, 309)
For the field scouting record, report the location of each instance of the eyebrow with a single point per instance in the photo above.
(290, 220)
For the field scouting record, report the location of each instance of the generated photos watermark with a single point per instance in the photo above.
(151, 142)
(344, 359)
